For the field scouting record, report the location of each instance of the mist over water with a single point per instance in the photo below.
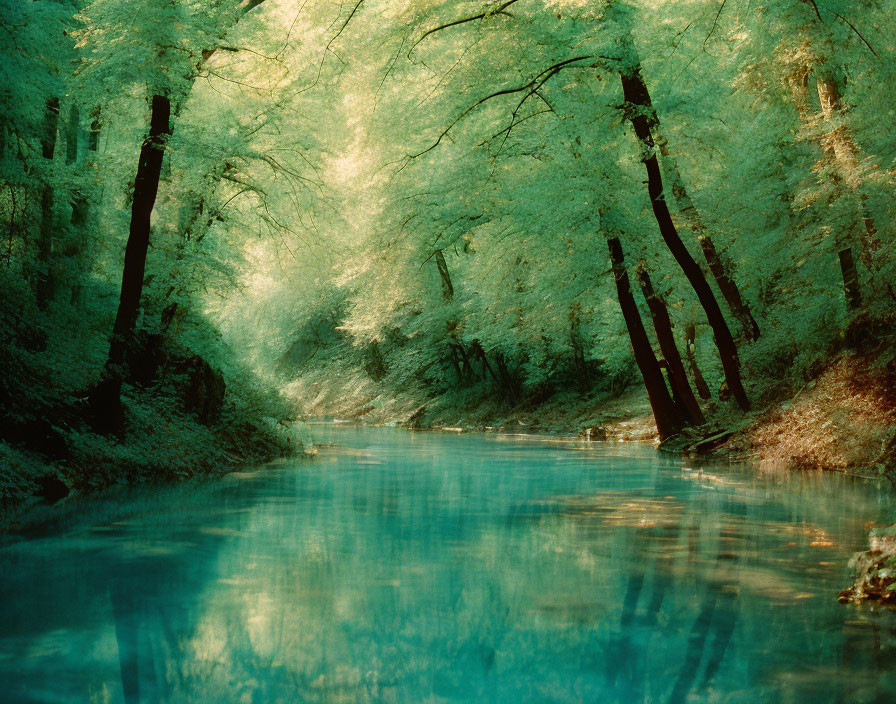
(425, 567)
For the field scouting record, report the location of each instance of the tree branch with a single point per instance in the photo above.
(499, 10)
(854, 29)
(531, 86)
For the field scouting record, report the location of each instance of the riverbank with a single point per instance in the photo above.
(182, 414)
(144, 454)
(842, 419)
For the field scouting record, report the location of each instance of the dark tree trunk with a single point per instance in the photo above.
(665, 412)
(93, 139)
(508, 382)
(638, 100)
(11, 231)
(839, 145)
(80, 216)
(460, 360)
(850, 279)
(686, 208)
(690, 347)
(577, 342)
(375, 363)
(469, 374)
(721, 271)
(678, 379)
(106, 396)
(44, 283)
(729, 289)
(51, 128)
(447, 287)
(81, 202)
(478, 353)
(71, 135)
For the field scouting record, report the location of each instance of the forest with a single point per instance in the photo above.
(219, 218)
(448, 351)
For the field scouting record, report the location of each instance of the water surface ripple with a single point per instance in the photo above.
(426, 567)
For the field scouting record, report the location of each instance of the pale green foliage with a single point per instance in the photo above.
(324, 155)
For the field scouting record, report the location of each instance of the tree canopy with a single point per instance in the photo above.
(394, 203)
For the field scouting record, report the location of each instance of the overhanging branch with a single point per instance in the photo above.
(499, 10)
(529, 88)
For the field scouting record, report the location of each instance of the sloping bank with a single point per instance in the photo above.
(183, 416)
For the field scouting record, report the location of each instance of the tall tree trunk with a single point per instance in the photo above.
(50, 129)
(106, 396)
(665, 412)
(509, 383)
(81, 202)
(11, 230)
(662, 324)
(721, 271)
(447, 287)
(577, 342)
(96, 125)
(80, 217)
(838, 144)
(456, 353)
(850, 278)
(690, 348)
(638, 104)
(44, 284)
(71, 134)
(476, 352)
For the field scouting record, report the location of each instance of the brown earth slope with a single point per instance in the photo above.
(843, 420)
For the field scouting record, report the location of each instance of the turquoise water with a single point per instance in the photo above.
(429, 567)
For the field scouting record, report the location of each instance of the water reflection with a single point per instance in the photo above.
(426, 567)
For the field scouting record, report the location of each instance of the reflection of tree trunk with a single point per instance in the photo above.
(665, 412)
(638, 100)
(724, 627)
(106, 396)
(690, 346)
(127, 635)
(45, 282)
(662, 324)
(694, 654)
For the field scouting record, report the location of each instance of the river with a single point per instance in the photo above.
(433, 567)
